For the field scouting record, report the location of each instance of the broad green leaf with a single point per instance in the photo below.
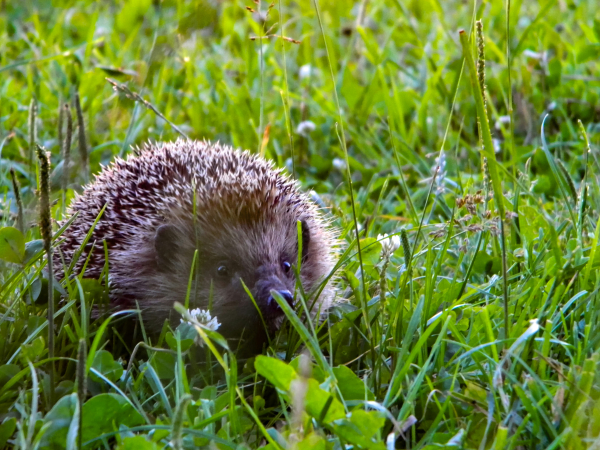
(164, 365)
(59, 419)
(160, 433)
(362, 429)
(187, 335)
(6, 430)
(33, 323)
(277, 372)
(312, 442)
(351, 387)
(107, 366)
(7, 372)
(108, 412)
(486, 264)
(475, 392)
(370, 251)
(321, 405)
(36, 289)
(315, 371)
(12, 245)
(65, 387)
(32, 248)
(137, 443)
(172, 342)
(33, 350)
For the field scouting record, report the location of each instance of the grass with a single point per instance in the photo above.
(476, 326)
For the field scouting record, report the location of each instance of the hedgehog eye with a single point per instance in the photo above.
(222, 271)
(286, 266)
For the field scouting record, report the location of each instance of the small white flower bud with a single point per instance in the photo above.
(305, 71)
(339, 164)
(389, 244)
(305, 128)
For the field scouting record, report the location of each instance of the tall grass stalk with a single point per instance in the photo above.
(180, 413)
(83, 150)
(60, 126)
(34, 405)
(488, 151)
(511, 113)
(32, 129)
(17, 193)
(81, 386)
(45, 222)
(66, 147)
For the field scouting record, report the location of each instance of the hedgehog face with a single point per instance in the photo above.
(258, 256)
(232, 304)
(259, 259)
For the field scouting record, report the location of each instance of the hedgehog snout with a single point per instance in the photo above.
(267, 283)
(274, 306)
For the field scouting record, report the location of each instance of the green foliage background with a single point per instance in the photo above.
(418, 354)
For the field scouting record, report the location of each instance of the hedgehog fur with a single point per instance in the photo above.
(244, 226)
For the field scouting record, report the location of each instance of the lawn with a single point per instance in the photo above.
(460, 169)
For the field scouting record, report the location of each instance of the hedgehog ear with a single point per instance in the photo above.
(305, 239)
(165, 245)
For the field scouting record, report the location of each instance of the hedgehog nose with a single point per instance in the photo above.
(287, 296)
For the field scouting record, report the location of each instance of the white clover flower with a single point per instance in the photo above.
(497, 145)
(389, 244)
(203, 316)
(289, 164)
(339, 164)
(540, 56)
(305, 127)
(524, 21)
(502, 120)
(440, 161)
(440, 166)
(305, 71)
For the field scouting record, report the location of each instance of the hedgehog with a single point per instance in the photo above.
(231, 214)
